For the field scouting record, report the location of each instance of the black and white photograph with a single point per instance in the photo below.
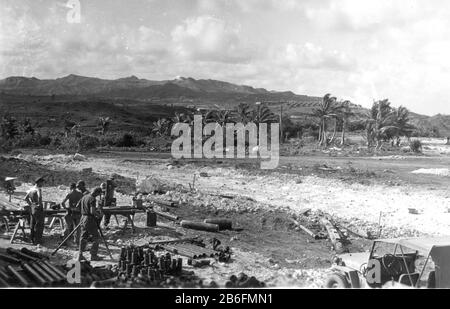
(240, 146)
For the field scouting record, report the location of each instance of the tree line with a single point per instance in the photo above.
(383, 123)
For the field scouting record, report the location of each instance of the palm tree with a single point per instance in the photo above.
(381, 122)
(243, 114)
(401, 121)
(263, 114)
(104, 123)
(182, 118)
(162, 127)
(211, 116)
(344, 115)
(328, 109)
(27, 126)
(70, 126)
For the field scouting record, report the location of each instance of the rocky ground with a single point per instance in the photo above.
(371, 196)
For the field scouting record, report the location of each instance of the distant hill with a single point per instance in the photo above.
(180, 91)
(439, 122)
(80, 85)
(143, 96)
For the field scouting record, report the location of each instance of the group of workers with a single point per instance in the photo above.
(83, 210)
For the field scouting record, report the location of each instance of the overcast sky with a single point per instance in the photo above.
(355, 49)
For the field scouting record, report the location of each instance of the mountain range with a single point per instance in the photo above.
(80, 85)
(181, 91)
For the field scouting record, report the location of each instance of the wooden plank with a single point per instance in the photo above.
(333, 234)
(304, 229)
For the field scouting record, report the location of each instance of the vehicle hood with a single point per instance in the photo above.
(355, 260)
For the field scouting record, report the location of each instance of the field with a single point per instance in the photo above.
(358, 191)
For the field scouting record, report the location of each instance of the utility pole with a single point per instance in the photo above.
(281, 124)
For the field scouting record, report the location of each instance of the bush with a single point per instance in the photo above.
(67, 143)
(87, 142)
(126, 141)
(26, 141)
(45, 140)
(416, 146)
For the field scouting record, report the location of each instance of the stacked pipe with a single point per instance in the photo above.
(244, 281)
(143, 266)
(26, 268)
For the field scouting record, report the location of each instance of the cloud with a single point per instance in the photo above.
(247, 6)
(311, 56)
(207, 38)
(364, 50)
(357, 15)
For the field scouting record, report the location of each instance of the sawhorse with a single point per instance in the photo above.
(60, 221)
(130, 220)
(19, 226)
(5, 223)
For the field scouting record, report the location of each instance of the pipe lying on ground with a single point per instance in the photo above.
(56, 270)
(51, 272)
(4, 284)
(166, 215)
(22, 281)
(34, 274)
(224, 224)
(4, 275)
(34, 254)
(9, 259)
(43, 273)
(200, 226)
(181, 252)
(21, 255)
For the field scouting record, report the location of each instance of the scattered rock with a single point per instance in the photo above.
(86, 170)
(79, 157)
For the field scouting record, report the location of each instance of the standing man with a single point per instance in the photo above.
(89, 224)
(34, 200)
(73, 215)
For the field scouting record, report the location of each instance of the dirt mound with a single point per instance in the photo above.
(27, 171)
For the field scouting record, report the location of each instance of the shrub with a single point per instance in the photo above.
(5, 145)
(87, 142)
(25, 141)
(45, 140)
(67, 143)
(416, 146)
(9, 127)
(126, 141)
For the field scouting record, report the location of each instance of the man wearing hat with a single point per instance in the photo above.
(81, 186)
(34, 200)
(89, 224)
(72, 217)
